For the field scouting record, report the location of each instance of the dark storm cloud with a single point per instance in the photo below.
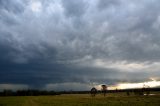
(46, 43)
(11, 6)
(102, 4)
(9, 10)
(74, 8)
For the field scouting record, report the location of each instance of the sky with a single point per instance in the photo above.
(77, 44)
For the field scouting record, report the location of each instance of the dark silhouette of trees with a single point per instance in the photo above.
(28, 92)
(93, 92)
(128, 93)
(7, 92)
(104, 89)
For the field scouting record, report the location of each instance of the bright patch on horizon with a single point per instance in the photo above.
(149, 84)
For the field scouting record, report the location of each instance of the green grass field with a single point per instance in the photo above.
(112, 99)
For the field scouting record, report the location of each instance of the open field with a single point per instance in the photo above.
(112, 99)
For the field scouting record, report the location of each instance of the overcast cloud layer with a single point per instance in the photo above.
(73, 44)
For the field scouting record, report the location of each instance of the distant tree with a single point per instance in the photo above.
(7, 92)
(104, 89)
(128, 93)
(93, 92)
(146, 89)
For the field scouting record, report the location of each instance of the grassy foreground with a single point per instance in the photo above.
(115, 99)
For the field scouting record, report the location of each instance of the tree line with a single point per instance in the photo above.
(28, 92)
(33, 92)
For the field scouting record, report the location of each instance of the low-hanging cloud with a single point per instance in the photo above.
(68, 42)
